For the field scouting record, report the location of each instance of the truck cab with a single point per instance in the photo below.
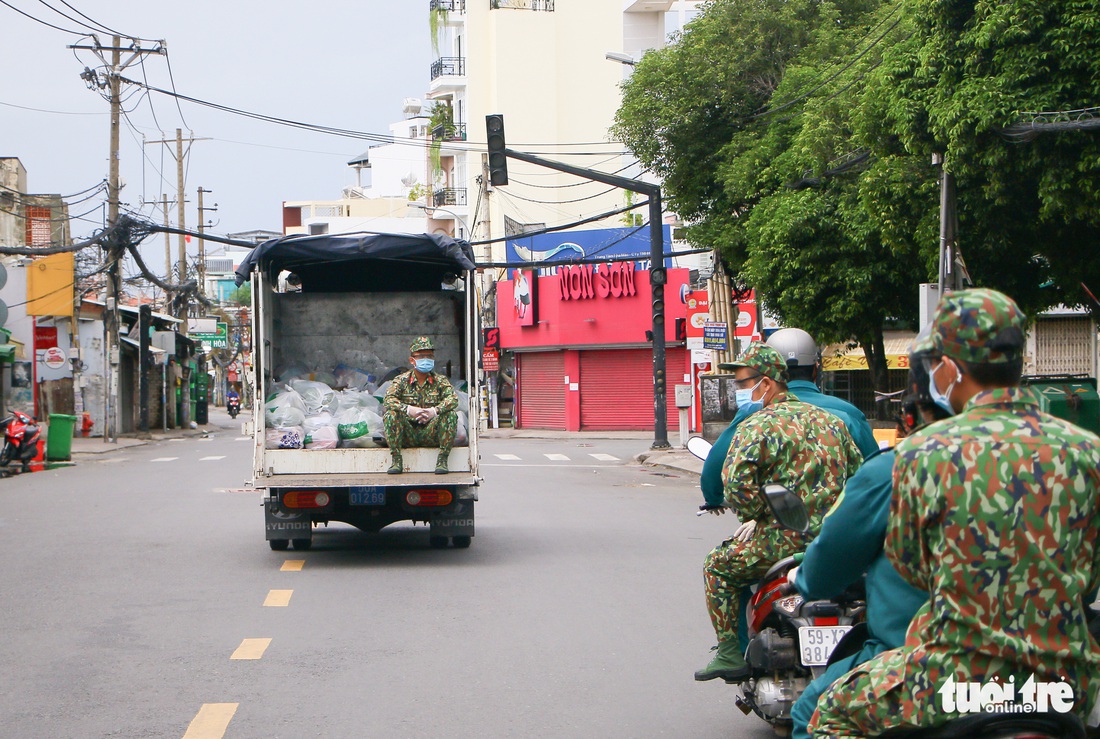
(334, 317)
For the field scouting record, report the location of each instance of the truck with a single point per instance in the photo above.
(351, 305)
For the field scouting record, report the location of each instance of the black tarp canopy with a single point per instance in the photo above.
(345, 262)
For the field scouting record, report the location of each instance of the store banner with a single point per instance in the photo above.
(525, 297)
(747, 328)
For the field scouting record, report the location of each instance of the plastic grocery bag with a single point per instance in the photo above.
(319, 420)
(323, 437)
(287, 437)
(316, 396)
(284, 409)
(358, 422)
(462, 436)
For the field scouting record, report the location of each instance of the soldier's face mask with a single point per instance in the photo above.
(743, 398)
(943, 400)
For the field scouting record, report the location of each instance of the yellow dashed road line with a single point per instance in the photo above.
(277, 598)
(293, 565)
(211, 721)
(251, 649)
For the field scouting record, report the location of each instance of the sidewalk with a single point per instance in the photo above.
(219, 422)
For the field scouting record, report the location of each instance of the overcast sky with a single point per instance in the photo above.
(337, 63)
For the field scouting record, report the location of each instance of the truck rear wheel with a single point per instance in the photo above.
(278, 545)
(462, 542)
(302, 545)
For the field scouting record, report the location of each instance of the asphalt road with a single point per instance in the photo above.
(132, 580)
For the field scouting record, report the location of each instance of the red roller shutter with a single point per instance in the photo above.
(617, 388)
(540, 390)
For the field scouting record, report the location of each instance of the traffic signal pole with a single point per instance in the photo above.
(658, 276)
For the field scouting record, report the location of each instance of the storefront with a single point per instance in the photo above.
(583, 361)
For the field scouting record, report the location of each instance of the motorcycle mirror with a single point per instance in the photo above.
(699, 446)
(788, 508)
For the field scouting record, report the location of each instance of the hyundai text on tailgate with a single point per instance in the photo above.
(333, 321)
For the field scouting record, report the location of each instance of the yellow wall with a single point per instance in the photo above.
(50, 286)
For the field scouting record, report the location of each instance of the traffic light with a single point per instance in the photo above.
(498, 160)
(681, 329)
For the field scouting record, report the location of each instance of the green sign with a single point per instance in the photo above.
(217, 340)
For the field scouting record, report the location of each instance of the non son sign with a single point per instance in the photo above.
(602, 281)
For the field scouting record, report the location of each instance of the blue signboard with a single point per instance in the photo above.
(715, 336)
(545, 251)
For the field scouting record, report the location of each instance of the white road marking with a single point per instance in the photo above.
(604, 457)
(243, 438)
(211, 459)
(507, 457)
(556, 457)
(164, 459)
(113, 460)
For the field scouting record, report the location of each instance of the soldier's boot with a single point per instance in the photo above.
(727, 664)
(441, 463)
(397, 466)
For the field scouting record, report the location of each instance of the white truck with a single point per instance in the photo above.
(358, 301)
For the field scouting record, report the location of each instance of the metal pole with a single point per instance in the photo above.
(145, 321)
(113, 248)
(181, 217)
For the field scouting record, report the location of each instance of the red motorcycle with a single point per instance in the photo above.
(21, 435)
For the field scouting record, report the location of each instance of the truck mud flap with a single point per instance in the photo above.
(284, 525)
(458, 520)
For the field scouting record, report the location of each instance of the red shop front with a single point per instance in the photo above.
(583, 362)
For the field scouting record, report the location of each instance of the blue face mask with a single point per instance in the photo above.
(744, 400)
(941, 399)
(425, 365)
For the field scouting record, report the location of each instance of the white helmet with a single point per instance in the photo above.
(795, 346)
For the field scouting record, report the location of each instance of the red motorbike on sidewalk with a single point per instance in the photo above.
(21, 435)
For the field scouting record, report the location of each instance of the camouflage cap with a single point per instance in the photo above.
(762, 358)
(980, 326)
(422, 343)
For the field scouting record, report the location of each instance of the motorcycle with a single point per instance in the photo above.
(233, 405)
(786, 645)
(21, 435)
(790, 639)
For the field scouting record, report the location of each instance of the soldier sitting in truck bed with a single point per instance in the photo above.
(420, 409)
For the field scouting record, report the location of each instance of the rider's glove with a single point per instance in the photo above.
(792, 575)
(745, 531)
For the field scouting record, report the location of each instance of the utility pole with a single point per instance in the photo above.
(167, 246)
(202, 242)
(112, 82)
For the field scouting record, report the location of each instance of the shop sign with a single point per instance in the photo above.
(599, 281)
(525, 296)
(490, 360)
(715, 336)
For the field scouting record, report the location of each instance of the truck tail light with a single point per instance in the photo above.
(428, 497)
(305, 499)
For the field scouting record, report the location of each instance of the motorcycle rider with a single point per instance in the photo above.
(850, 543)
(995, 513)
(803, 360)
(784, 441)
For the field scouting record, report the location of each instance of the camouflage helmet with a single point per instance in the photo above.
(979, 326)
(422, 343)
(762, 358)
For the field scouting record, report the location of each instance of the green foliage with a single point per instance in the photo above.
(437, 21)
(850, 99)
(242, 295)
(442, 116)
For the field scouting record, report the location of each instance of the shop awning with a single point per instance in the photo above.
(7, 352)
(838, 357)
(134, 343)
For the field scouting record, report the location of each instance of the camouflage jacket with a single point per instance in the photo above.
(435, 392)
(996, 514)
(797, 445)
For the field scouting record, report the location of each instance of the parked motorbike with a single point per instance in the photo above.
(21, 435)
(790, 638)
(233, 405)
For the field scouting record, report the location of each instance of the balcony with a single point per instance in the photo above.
(451, 6)
(546, 5)
(449, 66)
(449, 132)
(449, 196)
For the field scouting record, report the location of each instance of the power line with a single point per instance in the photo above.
(43, 110)
(45, 23)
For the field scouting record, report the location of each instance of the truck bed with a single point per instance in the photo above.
(346, 467)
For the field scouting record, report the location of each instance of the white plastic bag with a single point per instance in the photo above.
(287, 437)
(322, 437)
(462, 436)
(284, 409)
(319, 420)
(358, 422)
(317, 396)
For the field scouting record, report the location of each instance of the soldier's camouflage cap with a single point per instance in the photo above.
(980, 325)
(762, 358)
(422, 343)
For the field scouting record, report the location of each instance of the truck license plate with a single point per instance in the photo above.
(818, 642)
(367, 496)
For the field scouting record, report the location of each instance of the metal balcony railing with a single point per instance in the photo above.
(547, 5)
(453, 6)
(450, 66)
(449, 132)
(449, 196)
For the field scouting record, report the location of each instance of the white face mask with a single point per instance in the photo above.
(744, 400)
(943, 400)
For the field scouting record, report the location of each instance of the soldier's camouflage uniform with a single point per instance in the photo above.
(797, 445)
(435, 392)
(996, 514)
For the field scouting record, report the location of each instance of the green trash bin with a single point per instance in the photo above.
(1074, 399)
(59, 441)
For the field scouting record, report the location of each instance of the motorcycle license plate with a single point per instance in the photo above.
(818, 642)
(367, 496)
